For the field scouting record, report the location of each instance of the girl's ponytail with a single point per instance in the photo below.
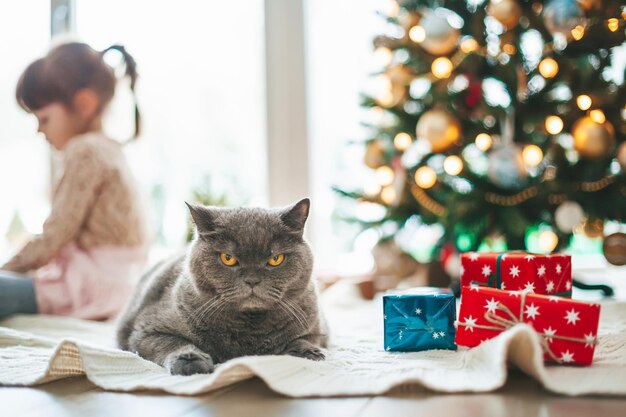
(131, 72)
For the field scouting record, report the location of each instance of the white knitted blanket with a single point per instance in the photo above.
(39, 349)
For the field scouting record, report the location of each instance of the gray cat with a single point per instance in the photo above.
(242, 288)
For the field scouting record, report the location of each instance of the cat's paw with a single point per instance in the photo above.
(189, 361)
(307, 352)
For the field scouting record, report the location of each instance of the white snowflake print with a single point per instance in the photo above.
(492, 305)
(529, 257)
(515, 293)
(442, 334)
(435, 335)
(549, 333)
(462, 271)
(541, 271)
(572, 317)
(400, 335)
(529, 287)
(385, 317)
(474, 257)
(568, 285)
(486, 270)
(470, 322)
(590, 340)
(567, 357)
(514, 272)
(418, 311)
(387, 348)
(504, 256)
(532, 311)
(558, 269)
(503, 286)
(554, 298)
(475, 287)
(550, 286)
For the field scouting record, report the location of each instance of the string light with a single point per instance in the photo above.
(548, 240)
(425, 177)
(417, 34)
(554, 125)
(371, 188)
(453, 165)
(483, 141)
(509, 49)
(384, 175)
(578, 32)
(532, 155)
(548, 68)
(402, 141)
(613, 24)
(383, 56)
(597, 116)
(392, 8)
(469, 45)
(583, 101)
(442, 67)
(388, 195)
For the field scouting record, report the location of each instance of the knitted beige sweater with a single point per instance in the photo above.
(95, 204)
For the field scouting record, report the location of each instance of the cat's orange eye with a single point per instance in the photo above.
(276, 260)
(227, 259)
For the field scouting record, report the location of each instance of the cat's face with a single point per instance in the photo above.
(250, 257)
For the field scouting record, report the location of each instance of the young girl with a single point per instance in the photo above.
(94, 242)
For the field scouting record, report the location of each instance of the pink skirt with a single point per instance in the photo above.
(90, 284)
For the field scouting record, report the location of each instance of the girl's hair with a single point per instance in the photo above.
(69, 68)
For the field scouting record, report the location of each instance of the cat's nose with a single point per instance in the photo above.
(252, 280)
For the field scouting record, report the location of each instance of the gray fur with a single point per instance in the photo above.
(192, 312)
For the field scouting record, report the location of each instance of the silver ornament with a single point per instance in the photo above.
(561, 16)
(441, 38)
(507, 168)
(568, 215)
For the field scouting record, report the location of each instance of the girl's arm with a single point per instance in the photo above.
(71, 204)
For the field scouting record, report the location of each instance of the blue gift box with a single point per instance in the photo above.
(419, 319)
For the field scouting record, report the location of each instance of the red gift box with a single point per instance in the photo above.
(567, 329)
(541, 274)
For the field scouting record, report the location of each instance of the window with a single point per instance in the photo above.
(201, 93)
(24, 154)
(339, 63)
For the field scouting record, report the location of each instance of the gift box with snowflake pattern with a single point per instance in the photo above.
(541, 274)
(567, 329)
(419, 319)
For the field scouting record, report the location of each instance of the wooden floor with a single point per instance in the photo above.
(78, 397)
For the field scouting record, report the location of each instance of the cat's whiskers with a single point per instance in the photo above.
(298, 310)
(289, 309)
(214, 304)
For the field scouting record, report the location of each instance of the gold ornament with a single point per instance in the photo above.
(614, 249)
(592, 140)
(507, 12)
(439, 37)
(439, 128)
(399, 74)
(593, 228)
(374, 154)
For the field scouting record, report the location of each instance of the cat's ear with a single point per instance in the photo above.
(202, 217)
(295, 215)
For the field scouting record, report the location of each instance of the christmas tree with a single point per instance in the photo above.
(498, 119)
